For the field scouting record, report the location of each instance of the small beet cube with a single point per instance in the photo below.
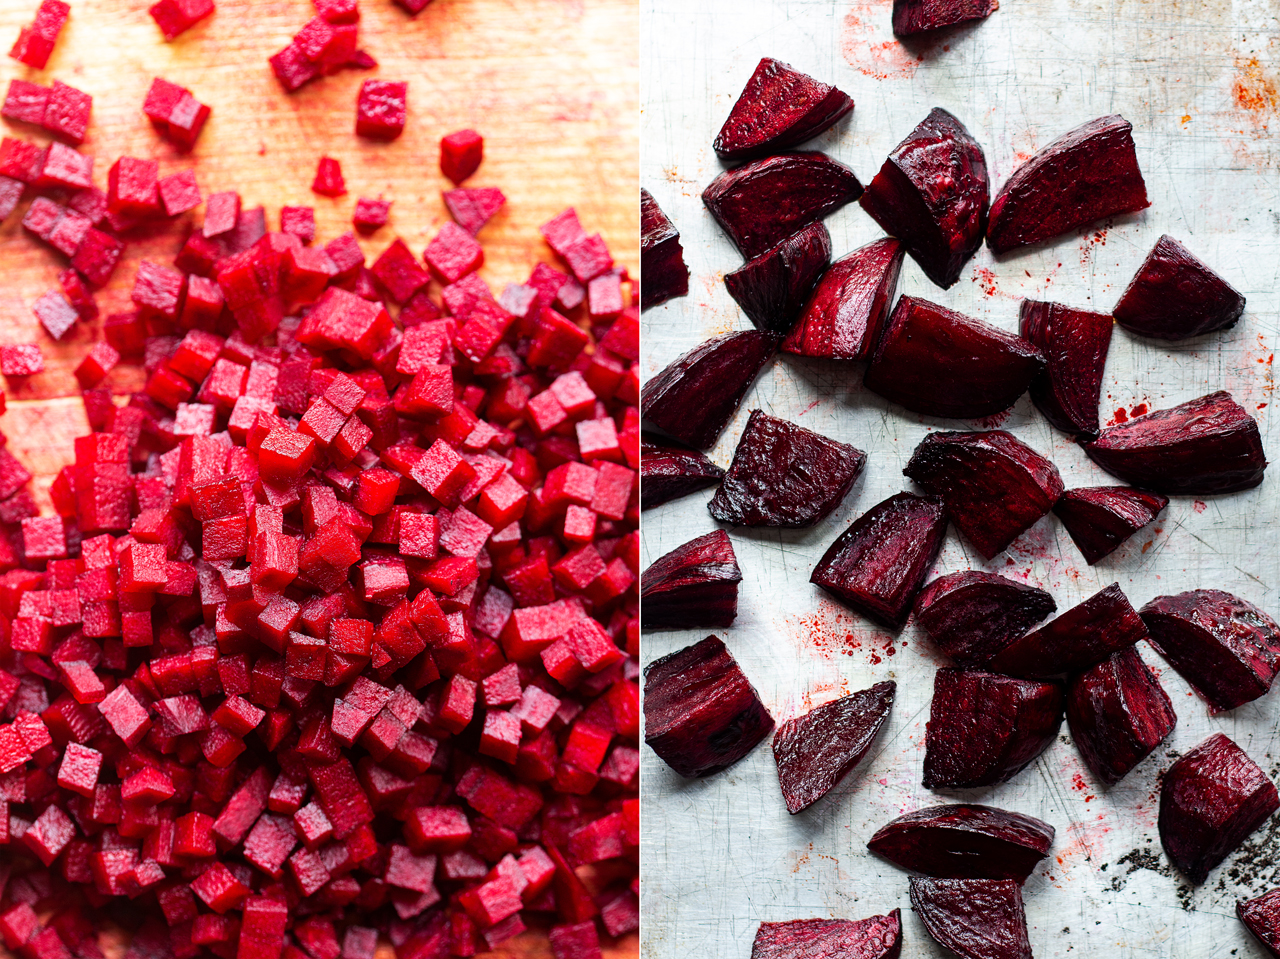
(1075, 345)
(381, 109)
(328, 180)
(175, 17)
(299, 221)
(973, 615)
(49, 834)
(779, 108)
(879, 937)
(669, 471)
(398, 271)
(126, 716)
(64, 167)
(371, 215)
(472, 209)
(55, 313)
(661, 256)
(453, 254)
(25, 102)
(694, 585)
(35, 43)
(179, 192)
(67, 114)
(24, 360)
(221, 213)
(974, 918)
(1101, 518)
(965, 842)
(132, 187)
(460, 154)
(773, 287)
(97, 257)
(1261, 917)
(577, 941)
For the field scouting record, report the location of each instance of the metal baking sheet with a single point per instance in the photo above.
(1198, 80)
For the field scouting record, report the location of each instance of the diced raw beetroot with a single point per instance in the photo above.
(179, 192)
(55, 313)
(917, 16)
(1100, 519)
(1175, 296)
(460, 154)
(779, 108)
(965, 842)
(453, 254)
(1074, 344)
(846, 313)
(972, 615)
(35, 43)
(371, 215)
(381, 108)
(328, 179)
(669, 470)
(692, 586)
(974, 918)
(23, 360)
(25, 102)
(661, 256)
(772, 287)
(473, 208)
(1261, 916)
(175, 17)
(879, 937)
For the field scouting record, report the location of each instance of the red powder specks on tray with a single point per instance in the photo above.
(868, 45)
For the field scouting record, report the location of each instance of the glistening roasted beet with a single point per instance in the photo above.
(848, 308)
(939, 362)
(785, 475)
(932, 194)
(916, 16)
(1225, 647)
(879, 937)
(1075, 345)
(972, 615)
(765, 201)
(974, 918)
(960, 841)
(779, 108)
(995, 486)
(1175, 296)
(1086, 174)
(694, 585)
(878, 564)
(1210, 800)
(697, 394)
(985, 728)
(1118, 712)
(663, 274)
(701, 713)
(1261, 917)
(772, 287)
(817, 750)
(1101, 518)
(669, 470)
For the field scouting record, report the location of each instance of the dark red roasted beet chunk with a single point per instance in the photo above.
(814, 752)
(663, 274)
(1074, 344)
(974, 918)
(1175, 296)
(916, 16)
(772, 287)
(701, 714)
(1086, 174)
(696, 395)
(994, 485)
(972, 615)
(692, 586)
(879, 563)
(879, 937)
(779, 108)
(1210, 801)
(785, 475)
(1117, 712)
(960, 841)
(1225, 647)
(1261, 917)
(985, 728)
(939, 362)
(846, 312)
(932, 194)
(763, 202)
(1099, 519)
(669, 471)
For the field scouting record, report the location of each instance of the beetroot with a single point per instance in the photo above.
(175, 17)
(35, 43)
(694, 585)
(932, 195)
(879, 563)
(879, 937)
(471, 209)
(381, 109)
(1074, 344)
(1261, 917)
(994, 485)
(669, 471)
(814, 752)
(662, 268)
(460, 154)
(1210, 801)
(772, 287)
(916, 16)
(848, 308)
(972, 615)
(1101, 518)
(701, 714)
(785, 475)
(779, 108)
(1174, 296)
(938, 362)
(974, 918)
(965, 842)
(1086, 174)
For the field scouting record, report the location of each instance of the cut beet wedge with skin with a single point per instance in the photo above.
(701, 714)
(878, 564)
(1210, 801)
(1118, 712)
(1225, 647)
(918, 16)
(693, 586)
(985, 728)
(995, 486)
(1086, 174)
(1175, 296)
(974, 918)
(696, 395)
(846, 313)
(765, 201)
(662, 269)
(879, 937)
(785, 475)
(1261, 917)
(773, 287)
(965, 842)
(779, 108)
(1075, 345)
(938, 362)
(669, 471)
(973, 615)
(932, 194)
(816, 751)
(1099, 519)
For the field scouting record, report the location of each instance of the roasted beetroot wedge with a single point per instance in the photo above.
(1261, 917)
(763, 202)
(1228, 649)
(773, 287)
(1075, 345)
(1086, 634)
(995, 486)
(669, 470)
(701, 713)
(1175, 296)
(917, 16)
(692, 586)
(1209, 445)
(965, 842)
(847, 311)
(939, 362)
(878, 564)
(663, 274)
(879, 937)
(785, 475)
(985, 728)
(974, 918)
(932, 194)
(695, 396)
(1118, 712)
(973, 615)
(1210, 800)
(817, 750)
(1101, 518)
(779, 108)
(1086, 174)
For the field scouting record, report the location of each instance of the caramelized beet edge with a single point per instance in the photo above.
(694, 585)
(1175, 296)
(662, 268)
(670, 470)
(773, 287)
(973, 615)
(879, 937)
(974, 918)
(1101, 518)
(961, 841)
(1075, 345)
(779, 108)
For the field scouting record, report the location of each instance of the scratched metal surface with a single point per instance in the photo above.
(1197, 82)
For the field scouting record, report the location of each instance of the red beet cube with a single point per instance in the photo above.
(328, 180)
(221, 212)
(67, 113)
(97, 363)
(371, 215)
(36, 42)
(132, 187)
(175, 17)
(24, 360)
(472, 209)
(97, 257)
(300, 221)
(460, 154)
(25, 102)
(55, 313)
(179, 192)
(381, 109)
(453, 254)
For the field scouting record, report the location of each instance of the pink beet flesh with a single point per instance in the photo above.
(772, 287)
(879, 937)
(974, 918)
(663, 273)
(1175, 296)
(916, 16)
(1101, 518)
(669, 471)
(965, 842)
(972, 615)
(1074, 344)
(1261, 917)
(847, 310)
(779, 108)
(694, 585)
